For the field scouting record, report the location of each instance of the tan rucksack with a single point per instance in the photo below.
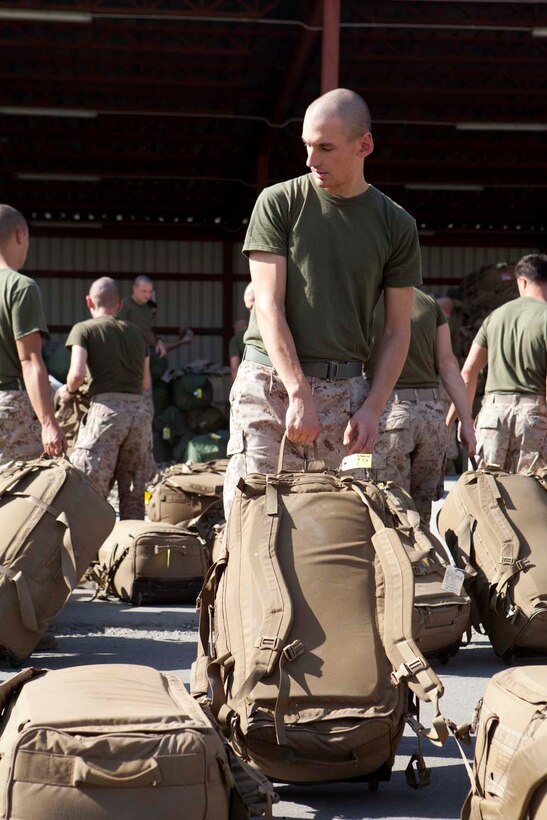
(509, 779)
(441, 609)
(185, 491)
(305, 631)
(494, 524)
(120, 741)
(145, 562)
(52, 522)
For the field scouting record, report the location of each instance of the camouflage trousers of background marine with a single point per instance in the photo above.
(258, 406)
(511, 432)
(113, 446)
(412, 438)
(20, 431)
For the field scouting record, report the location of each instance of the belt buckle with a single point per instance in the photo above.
(333, 369)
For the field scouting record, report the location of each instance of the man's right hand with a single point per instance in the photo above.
(53, 439)
(301, 421)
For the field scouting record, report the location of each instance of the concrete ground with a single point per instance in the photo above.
(164, 637)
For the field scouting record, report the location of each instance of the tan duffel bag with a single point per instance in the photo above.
(441, 613)
(120, 741)
(305, 639)
(186, 491)
(509, 779)
(52, 523)
(495, 525)
(146, 562)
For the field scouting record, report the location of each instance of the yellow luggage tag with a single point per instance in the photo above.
(357, 461)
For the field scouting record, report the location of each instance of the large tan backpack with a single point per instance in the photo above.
(441, 612)
(185, 491)
(495, 525)
(305, 631)
(120, 741)
(145, 562)
(509, 779)
(52, 522)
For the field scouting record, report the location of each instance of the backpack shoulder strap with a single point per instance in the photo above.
(405, 657)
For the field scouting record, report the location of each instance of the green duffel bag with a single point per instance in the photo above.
(161, 396)
(206, 420)
(192, 392)
(57, 360)
(206, 447)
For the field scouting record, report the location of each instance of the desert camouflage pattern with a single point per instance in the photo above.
(258, 406)
(511, 434)
(412, 439)
(20, 431)
(114, 445)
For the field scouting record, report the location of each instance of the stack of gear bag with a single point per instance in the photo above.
(145, 562)
(170, 435)
(120, 741)
(185, 491)
(53, 522)
(494, 524)
(441, 613)
(193, 395)
(305, 647)
(509, 777)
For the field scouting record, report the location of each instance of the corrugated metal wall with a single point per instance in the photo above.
(182, 299)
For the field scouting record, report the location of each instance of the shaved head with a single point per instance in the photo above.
(104, 293)
(346, 106)
(11, 220)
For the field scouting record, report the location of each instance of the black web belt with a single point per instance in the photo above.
(333, 371)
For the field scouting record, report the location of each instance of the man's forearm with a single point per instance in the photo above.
(455, 387)
(392, 350)
(38, 389)
(281, 349)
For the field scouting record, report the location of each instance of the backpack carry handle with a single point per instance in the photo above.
(282, 453)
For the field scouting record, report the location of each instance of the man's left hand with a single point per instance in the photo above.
(160, 348)
(362, 431)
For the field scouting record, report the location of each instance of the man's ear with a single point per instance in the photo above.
(89, 302)
(367, 145)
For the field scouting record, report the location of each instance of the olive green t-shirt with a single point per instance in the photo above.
(115, 354)
(21, 313)
(516, 337)
(341, 252)
(139, 315)
(419, 369)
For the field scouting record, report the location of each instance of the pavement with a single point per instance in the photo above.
(164, 637)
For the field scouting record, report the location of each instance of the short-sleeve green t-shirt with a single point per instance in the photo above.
(516, 337)
(236, 345)
(116, 352)
(21, 313)
(139, 315)
(419, 369)
(341, 252)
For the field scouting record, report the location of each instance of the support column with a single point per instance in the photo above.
(330, 53)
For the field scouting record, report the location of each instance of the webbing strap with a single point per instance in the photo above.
(68, 557)
(200, 682)
(9, 687)
(489, 500)
(26, 606)
(405, 657)
(276, 602)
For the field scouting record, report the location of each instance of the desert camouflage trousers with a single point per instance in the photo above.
(412, 440)
(113, 446)
(258, 406)
(511, 432)
(20, 431)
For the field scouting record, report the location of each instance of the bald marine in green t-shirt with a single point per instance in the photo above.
(512, 423)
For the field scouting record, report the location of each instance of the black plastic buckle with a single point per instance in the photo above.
(333, 369)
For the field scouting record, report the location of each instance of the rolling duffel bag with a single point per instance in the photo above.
(117, 741)
(186, 491)
(52, 523)
(509, 779)
(305, 641)
(441, 613)
(494, 524)
(146, 562)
